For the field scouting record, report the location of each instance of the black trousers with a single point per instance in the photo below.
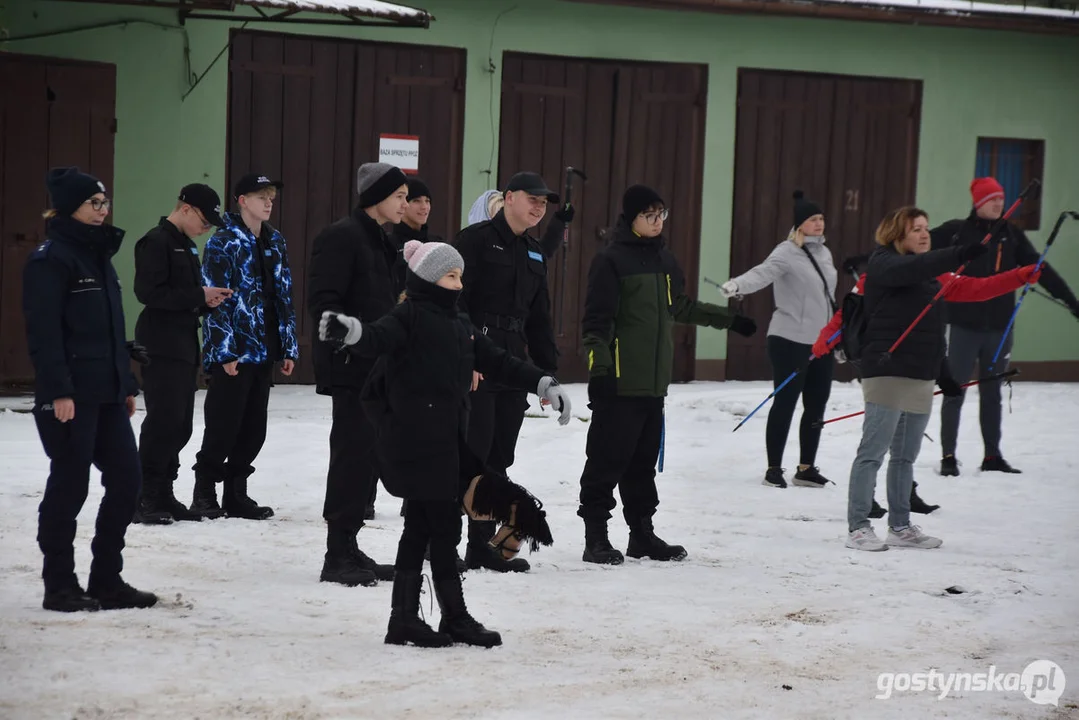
(235, 416)
(494, 425)
(168, 390)
(430, 522)
(965, 349)
(100, 435)
(353, 471)
(813, 383)
(622, 449)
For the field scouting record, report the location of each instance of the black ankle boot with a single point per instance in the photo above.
(917, 505)
(405, 623)
(382, 572)
(204, 499)
(644, 543)
(597, 546)
(877, 511)
(456, 622)
(152, 507)
(339, 566)
(480, 554)
(70, 598)
(177, 509)
(236, 502)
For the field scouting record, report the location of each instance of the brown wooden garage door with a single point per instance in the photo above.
(52, 112)
(850, 143)
(622, 123)
(310, 111)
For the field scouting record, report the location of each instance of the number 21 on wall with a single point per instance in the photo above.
(851, 203)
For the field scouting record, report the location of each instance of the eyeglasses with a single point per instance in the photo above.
(99, 204)
(655, 217)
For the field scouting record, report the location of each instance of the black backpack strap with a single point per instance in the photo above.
(831, 302)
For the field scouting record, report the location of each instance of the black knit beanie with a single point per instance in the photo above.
(803, 209)
(417, 188)
(69, 188)
(377, 181)
(637, 199)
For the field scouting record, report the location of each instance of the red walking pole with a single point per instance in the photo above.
(947, 286)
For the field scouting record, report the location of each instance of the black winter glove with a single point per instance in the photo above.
(566, 214)
(743, 325)
(947, 384)
(137, 352)
(852, 264)
(602, 387)
(971, 252)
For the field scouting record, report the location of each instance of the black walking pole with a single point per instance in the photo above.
(570, 172)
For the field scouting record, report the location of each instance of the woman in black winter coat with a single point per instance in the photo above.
(418, 397)
(84, 393)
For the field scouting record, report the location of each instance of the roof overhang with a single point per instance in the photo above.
(308, 12)
(955, 13)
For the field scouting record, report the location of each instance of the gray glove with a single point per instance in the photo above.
(550, 390)
(335, 327)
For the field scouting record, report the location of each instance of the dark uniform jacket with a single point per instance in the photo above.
(353, 270)
(419, 395)
(75, 316)
(168, 281)
(636, 293)
(897, 289)
(1009, 248)
(505, 290)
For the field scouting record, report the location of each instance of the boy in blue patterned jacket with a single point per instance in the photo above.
(242, 340)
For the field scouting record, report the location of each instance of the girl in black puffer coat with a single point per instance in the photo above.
(417, 397)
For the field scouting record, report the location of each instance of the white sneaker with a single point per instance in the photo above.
(865, 539)
(913, 537)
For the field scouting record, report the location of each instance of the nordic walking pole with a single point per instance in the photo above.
(1026, 288)
(999, 376)
(781, 386)
(570, 172)
(948, 286)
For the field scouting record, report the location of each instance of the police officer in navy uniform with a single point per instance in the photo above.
(84, 393)
(505, 295)
(168, 281)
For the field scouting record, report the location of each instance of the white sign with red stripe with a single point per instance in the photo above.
(400, 150)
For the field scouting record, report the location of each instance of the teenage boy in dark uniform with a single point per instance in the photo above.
(168, 281)
(505, 295)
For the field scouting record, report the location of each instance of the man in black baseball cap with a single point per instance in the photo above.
(532, 184)
(168, 281)
(204, 199)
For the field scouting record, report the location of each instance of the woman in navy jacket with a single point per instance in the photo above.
(84, 393)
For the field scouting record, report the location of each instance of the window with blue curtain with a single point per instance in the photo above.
(1014, 163)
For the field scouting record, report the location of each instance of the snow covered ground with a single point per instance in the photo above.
(770, 616)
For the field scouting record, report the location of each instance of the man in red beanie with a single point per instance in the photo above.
(975, 329)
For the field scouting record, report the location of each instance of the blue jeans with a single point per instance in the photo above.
(885, 429)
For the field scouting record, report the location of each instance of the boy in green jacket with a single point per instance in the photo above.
(636, 293)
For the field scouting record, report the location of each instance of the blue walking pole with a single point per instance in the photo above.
(782, 385)
(662, 440)
(1028, 286)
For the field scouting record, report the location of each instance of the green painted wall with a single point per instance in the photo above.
(975, 83)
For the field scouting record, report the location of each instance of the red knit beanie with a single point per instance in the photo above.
(982, 190)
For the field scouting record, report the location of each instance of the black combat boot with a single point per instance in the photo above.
(479, 553)
(237, 504)
(456, 622)
(382, 572)
(597, 546)
(405, 623)
(877, 511)
(339, 566)
(917, 505)
(70, 598)
(118, 595)
(152, 508)
(204, 499)
(643, 543)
